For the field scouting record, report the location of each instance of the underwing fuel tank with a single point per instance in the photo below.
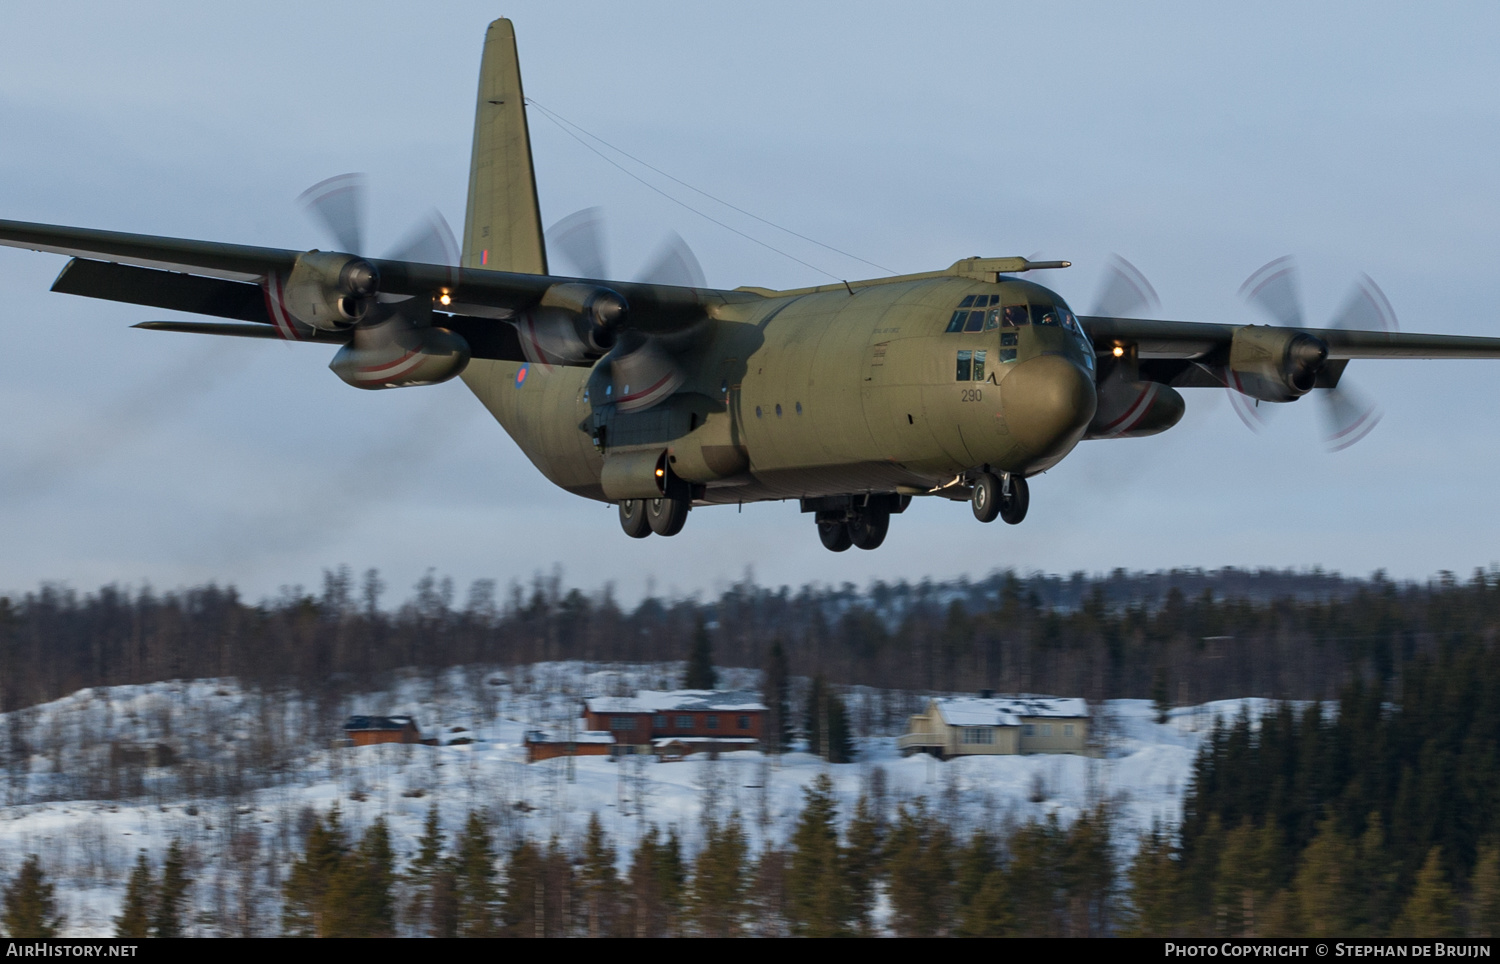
(1049, 401)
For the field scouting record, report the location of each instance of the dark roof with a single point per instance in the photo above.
(379, 723)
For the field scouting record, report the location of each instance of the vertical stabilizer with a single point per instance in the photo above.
(502, 223)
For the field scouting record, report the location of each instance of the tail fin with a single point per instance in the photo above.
(502, 224)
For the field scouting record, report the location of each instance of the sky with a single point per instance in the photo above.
(1199, 142)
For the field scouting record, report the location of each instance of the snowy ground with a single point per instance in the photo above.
(253, 767)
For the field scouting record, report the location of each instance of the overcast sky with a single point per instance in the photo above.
(1197, 141)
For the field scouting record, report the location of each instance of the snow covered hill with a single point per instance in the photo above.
(237, 776)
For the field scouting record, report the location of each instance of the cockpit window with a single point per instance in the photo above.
(965, 319)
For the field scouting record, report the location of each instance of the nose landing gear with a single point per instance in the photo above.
(1007, 499)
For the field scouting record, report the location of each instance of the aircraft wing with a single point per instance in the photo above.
(229, 281)
(1198, 341)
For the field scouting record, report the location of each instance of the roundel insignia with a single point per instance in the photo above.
(521, 375)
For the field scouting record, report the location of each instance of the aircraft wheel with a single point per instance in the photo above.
(1013, 509)
(986, 499)
(868, 528)
(667, 516)
(835, 534)
(633, 518)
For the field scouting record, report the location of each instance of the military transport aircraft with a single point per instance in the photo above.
(852, 397)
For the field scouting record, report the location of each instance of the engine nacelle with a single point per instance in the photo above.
(573, 323)
(330, 291)
(1274, 364)
(1134, 409)
(395, 355)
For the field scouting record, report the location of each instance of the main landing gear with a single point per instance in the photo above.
(665, 517)
(1007, 498)
(854, 520)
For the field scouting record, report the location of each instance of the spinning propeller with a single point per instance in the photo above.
(393, 341)
(638, 371)
(1348, 414)
(339, 205)
(1123, 291)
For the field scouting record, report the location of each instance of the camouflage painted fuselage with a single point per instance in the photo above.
(824, 393)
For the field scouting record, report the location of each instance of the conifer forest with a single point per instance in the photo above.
(1352, 792)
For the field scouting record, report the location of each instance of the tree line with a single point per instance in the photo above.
(1186, 637)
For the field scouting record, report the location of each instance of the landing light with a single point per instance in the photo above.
(445, 299)
(1119, 351)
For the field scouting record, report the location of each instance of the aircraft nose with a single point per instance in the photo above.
(1049, 401)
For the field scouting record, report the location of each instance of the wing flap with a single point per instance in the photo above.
(169, 290)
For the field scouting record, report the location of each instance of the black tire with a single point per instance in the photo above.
(1013, 509)
(633, 518)
(667, 516)
(835, 534)
(868, 527)
(986, 498)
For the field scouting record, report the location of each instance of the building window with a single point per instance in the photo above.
(1046, 729)
(982, 735)
(660, 721)
(684, 722)
(1028, 729)
(713, 722)
(1067, 729)
(744, 722)
(621, 723)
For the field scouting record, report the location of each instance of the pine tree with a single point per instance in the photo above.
(598, 880)
(1431, 910)
(140, 900)
(358, 901)
(427, 876)
(646, 911)
(1154, 908)
(827, 723)
(28, 908)
(980, 889)
(719, 879)
(1324, 896)
(1484, 896)
(818, 893)
(474, 873)
(671, 881)
(171, 899)
(700, 673)
(523, 908)
(777, 695)
(919, 866)
(303, 894)
(862, 861)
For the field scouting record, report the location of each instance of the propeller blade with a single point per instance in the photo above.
(430, 241)
(1349, 415)
(673, 263)
(1366, 309)
(1255, 416)
(579, 238)
(1123, 291)
(1274, 290)
(338, 204)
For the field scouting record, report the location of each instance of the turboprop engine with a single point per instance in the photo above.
(329, 291)
(1273, 364)
(396, 353)
(578, 322)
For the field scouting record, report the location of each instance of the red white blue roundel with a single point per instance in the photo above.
(521, 375)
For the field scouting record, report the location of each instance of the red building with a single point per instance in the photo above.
(365, 730)
(682, 719)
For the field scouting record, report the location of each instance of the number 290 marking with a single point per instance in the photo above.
(971, 395)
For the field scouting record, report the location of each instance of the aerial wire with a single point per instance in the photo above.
(573, 130)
